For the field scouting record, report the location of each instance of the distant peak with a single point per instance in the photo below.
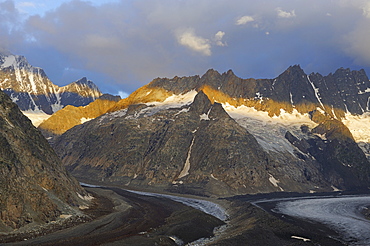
(342, 70)
(296, 67)
(230, 72)
(83, 80)
(212, 72)
(293, 70)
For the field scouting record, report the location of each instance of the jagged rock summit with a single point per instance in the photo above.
(32, 90)
(34, 186)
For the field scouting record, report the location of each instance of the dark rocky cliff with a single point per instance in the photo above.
(34, 186)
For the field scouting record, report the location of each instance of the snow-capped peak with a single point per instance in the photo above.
(32, 90)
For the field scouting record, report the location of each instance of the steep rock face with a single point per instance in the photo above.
(34, 186)
(197, 148)
(343, 163)
(32, 90)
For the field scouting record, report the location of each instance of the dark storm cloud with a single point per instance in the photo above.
(132, 42)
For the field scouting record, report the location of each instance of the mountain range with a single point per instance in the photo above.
(32, 90)
(213, 135)
(219, 134)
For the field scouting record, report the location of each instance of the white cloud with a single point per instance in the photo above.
(123, 94)
(218, 38)
(27, 4)
(244, 20)
(188, 39)
(366, 9)
(284, 14)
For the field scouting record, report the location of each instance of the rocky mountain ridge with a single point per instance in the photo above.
(57, 124)
(34, 186)
(334, 95)
(32, 90)
(196, 147)
(345, 91)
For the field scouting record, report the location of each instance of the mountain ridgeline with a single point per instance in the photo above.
(32, 90)
(338, 93)
(333, 95)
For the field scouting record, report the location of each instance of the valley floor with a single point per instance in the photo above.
(126, 218)
(133, 219)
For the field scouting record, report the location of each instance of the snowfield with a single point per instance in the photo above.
(270, 131)
(359, 125)
(36, 117)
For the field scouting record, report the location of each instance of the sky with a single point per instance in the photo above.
(123, 44)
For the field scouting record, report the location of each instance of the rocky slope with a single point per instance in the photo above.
(71, 116)
(344, 95)
(196, 147)
(32, 90)
(34, 186)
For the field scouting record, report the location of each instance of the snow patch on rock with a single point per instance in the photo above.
(359, 126)
(185, 170)
(36, 117)
(275, 182)
(83, 120)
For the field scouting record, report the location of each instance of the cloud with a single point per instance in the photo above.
(188, 39)
(26, 4)
(218, 38)
(366, 9)
(129, 43)
(357, 43)
(10, 25)
(95, 41)
(284, 14)
(123, 94)
(244, 20)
